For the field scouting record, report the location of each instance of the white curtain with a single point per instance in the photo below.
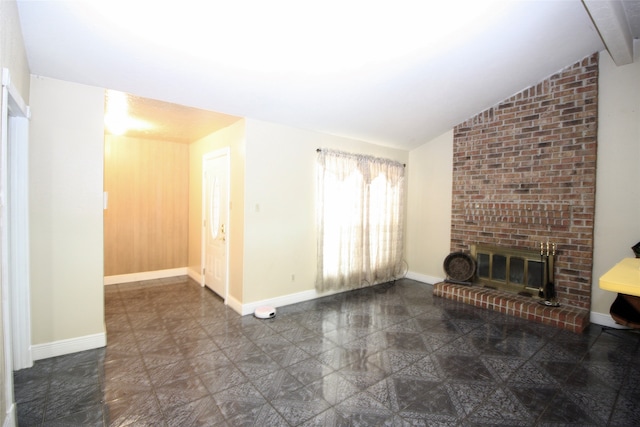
(360, 220)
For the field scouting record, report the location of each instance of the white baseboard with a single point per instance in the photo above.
(424, 278)
(280, 301)
(234, 304)
(195, 275)
(604, 319)
(303, 296)
(72, 345)
(145, 275)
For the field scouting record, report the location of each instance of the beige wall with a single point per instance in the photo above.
(280, 237)
(429, 208)
(146, 222)
(13, 57)
(617, 185)
(12, 51)
(65, 173)
(231, 137)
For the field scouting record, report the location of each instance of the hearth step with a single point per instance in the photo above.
(569, 318)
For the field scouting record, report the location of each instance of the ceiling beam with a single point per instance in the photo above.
(610, 20)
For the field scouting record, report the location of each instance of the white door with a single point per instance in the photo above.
(215, 225)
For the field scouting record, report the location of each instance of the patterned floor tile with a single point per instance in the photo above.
(405, 341)
(392, 361)
(309, 370)
(235, 401)
(597, 402)
(535, 398)
(426, 368)
(422, 398)
(388, 355)
(502, 408)
(137, 409)
(201, 412)
(296, 411)
(457, 346)
(168, 373)
(221, 379)
(463, 368)
(363, 409)
(503, 367)
(400, 324)
(181, 392)
(362, 375)
(338, 357)
(469, 397)
(333, 388)
(287, 355)
(531, 375)
(278, 384)
(564, 410)
(384, 391)
(559, 370)
(626, 412)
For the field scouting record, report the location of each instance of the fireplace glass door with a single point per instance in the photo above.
(515, 270)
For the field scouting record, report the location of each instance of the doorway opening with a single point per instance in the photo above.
(153, 156)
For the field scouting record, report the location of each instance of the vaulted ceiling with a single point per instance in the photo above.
(394, 73)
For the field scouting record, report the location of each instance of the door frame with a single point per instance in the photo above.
(14, 236)
(225, 153)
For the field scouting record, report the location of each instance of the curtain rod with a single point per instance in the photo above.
(319, 150)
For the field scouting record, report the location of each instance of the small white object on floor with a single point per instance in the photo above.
(265, 312)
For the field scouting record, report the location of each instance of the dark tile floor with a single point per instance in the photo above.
(386, 355)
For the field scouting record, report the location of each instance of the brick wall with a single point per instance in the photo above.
(524, 171)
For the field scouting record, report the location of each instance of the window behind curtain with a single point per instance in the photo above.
(360, 220)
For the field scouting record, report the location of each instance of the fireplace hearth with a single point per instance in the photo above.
(517, 282)
(573, 319)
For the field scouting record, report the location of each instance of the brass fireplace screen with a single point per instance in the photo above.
(509, 269)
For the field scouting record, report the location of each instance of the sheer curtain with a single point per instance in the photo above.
(360, 220)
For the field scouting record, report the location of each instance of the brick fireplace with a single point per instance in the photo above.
(524, 171)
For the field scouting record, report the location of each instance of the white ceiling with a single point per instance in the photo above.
(390, 72)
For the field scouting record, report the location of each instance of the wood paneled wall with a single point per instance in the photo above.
(146, 222)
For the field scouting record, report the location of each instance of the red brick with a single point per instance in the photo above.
(537, 143)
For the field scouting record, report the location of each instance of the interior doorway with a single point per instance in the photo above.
(153, 157)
